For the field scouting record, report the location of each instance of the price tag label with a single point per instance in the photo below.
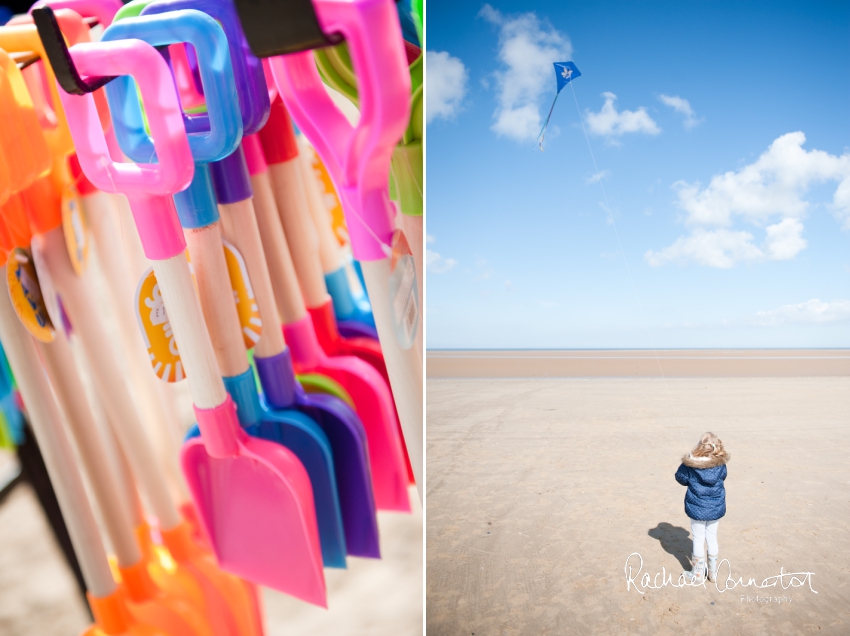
(404, 295)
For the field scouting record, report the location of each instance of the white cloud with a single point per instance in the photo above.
(769, 193)
(784, 240)
(609, 122)
(447, 78)
(717, 248)
(599, 176)
(437, 263)
(773, 185)
(528, 47)
(434, 262)
(811, 312)
(681, 105)
(724, 248)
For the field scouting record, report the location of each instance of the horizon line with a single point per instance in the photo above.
(637, 349)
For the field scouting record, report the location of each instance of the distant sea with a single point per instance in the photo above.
(640, 363)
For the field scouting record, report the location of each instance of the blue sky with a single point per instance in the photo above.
(722, 136)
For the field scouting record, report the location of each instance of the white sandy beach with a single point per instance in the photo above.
(539, 490)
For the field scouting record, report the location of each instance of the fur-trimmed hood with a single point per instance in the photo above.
(704, 462)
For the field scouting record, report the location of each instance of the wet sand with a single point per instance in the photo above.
(682, 363)
(540, 489)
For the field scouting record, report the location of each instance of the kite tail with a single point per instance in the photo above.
(542, 134)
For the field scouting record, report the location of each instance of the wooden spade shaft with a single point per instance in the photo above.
(216, 296)
(158, 413)
(329, 252)
(241, 228)
(78, 299)
(294, 210)
(56, 448)
(115, 510)
(281, 269)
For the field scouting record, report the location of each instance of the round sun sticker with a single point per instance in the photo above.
(330, 198)
(243, 293)
(156, 330)
(26, 296)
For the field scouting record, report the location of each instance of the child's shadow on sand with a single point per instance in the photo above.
(674, 540)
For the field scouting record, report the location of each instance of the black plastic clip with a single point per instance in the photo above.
(59, 56)
(278, 27)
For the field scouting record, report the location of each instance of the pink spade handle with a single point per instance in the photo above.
(358, 159)
(148, 186)
(103, 10)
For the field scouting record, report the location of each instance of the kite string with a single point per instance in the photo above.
(628, 269)
(542, 133)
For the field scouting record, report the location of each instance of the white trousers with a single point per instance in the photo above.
(704, 532)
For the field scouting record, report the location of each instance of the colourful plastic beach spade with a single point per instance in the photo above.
(253, 496)
(230, 174)
(45, 200)
(174, 614)
(341, 424)
(371, 396)
(198, 213)
(278, 140)
(109, 603)
(358, 160)
(372, 399)
(241, 225)
(281, 152)
(336, 68)
(103, 214)
(353, 312)
(230, 602)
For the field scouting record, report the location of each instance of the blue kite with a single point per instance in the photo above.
(565, 72)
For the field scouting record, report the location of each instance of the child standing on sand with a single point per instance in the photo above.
(703, 471)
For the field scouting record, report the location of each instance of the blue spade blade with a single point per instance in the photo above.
(354, 329)
(348, 442)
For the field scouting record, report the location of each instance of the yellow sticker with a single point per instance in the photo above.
(156, 330)
(48, 290)
(243, 294)
(330, 198)
(75, 227)
(26, 295)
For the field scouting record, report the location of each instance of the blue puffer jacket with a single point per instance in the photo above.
(706, 496)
